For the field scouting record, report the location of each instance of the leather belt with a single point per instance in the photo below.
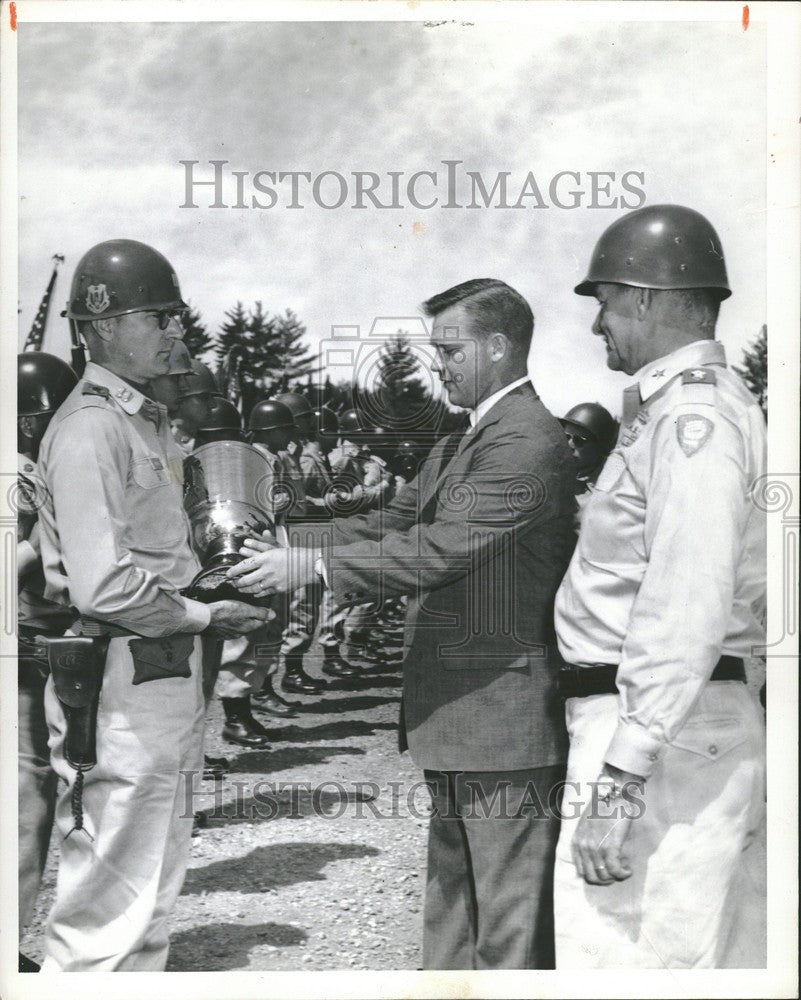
(581, 682)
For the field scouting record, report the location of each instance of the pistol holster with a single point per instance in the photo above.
(76, 664)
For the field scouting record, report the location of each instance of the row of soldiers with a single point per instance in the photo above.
(331, 463)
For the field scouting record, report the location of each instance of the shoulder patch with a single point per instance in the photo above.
(698, 376)
(90, 389)
(693, 431)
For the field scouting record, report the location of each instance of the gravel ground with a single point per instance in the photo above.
(313, 856)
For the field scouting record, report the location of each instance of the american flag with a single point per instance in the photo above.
(36, 336)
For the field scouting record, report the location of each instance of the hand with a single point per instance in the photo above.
(263, 544)
(601, 833)
(232, 619)
(273, 569)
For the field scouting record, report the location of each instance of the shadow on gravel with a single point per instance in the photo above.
(262, 800)
(340, 730)
(369, 681)
(356, 704)
(283, 758)
(268, 868)
(225, 946)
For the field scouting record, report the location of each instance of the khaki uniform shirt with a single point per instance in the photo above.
(114, 535)
(669, 570)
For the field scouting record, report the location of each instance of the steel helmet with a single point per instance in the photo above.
(381, 441)
(298, 405)
(269, 415)
(659, 246)
(43, 383)
(326, 422)
(122, 276)
(353, 425)
(594, 419)
(198, 381)
(223, 415)
(180, 359)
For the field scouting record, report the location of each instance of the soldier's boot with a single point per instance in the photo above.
(297, 681)
(272, 703)
(240, 726)
(335, 666)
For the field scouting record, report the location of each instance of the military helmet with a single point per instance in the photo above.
(198, 381)
(594, 419)
(659, 246)
(380, 440)
(326, 421)
(180, 359)
(122, 276)
(298, 405)
(223, 415)
(269, 415)
(353, 425)
(43, 383)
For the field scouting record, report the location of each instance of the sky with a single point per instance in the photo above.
(108, 111)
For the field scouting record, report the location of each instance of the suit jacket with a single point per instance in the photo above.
(480, 544)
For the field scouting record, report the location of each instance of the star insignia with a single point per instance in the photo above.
(699, 373)
(658, 373)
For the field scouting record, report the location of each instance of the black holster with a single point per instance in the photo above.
(76, 664)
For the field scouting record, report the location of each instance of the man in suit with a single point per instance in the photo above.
(479, 542)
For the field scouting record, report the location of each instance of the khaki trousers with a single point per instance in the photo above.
(115, 891)
(696, 898)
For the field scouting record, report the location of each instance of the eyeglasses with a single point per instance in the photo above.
(165, 316)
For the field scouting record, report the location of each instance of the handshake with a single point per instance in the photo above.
(266, 569)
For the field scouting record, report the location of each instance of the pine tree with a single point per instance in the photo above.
(196, 336)
(293, 359)
(400, 398)
(754, 370)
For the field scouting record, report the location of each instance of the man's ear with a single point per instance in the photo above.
(644, 300)
(498, 346)
(104, 328)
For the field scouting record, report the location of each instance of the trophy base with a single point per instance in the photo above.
(212, 584)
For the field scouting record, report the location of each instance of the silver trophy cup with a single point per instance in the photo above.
(229, 495)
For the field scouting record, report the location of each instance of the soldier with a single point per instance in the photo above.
(662, 600)
(248, 663)
(591, 431)
(115, 546)
(308, 606)
(197, 392)
(223, 423)
(43, 383)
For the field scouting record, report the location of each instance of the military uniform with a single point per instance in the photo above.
(37, 779)
(667, 582)
(115, 546)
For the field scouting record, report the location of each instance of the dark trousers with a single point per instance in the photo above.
(37, 787)
(491, 845)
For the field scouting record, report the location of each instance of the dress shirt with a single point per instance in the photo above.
(114, 535)
(486, 404)
(669, 570)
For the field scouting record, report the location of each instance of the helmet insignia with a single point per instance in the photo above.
(97, 300)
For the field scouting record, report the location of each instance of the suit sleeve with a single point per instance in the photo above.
(476, 512)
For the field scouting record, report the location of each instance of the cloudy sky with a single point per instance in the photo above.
(107, 111)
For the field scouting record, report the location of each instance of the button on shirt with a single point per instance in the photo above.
(114, 536)
(669, 570)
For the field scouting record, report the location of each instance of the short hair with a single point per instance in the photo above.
(694, 303)
(493, 305)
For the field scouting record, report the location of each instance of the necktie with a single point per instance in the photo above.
(150, 411)
(632, 401)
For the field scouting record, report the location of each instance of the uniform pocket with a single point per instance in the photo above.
(711, 736)
(150, 472)
(158, 659)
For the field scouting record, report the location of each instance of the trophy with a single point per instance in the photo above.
(228, 497)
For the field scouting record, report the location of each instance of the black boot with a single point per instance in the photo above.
(335, 666)
(272, 703)
(297, 680)
(240, 726)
